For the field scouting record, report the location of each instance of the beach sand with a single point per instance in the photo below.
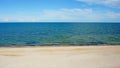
(60, 57)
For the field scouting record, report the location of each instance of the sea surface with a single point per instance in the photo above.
(56, 34)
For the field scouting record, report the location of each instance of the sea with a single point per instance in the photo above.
(59, 34)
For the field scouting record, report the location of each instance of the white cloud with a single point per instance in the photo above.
(110, 3)
(62, 15)
(79, 15)
(111, 16)
(14, 18)
(75, 15)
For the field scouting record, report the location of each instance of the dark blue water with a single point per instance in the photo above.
(38, 34)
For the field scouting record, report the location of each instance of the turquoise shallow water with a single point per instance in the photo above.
(38, 34)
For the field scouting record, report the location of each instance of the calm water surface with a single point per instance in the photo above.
(38, 34)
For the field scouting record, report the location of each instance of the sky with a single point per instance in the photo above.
(59, 10)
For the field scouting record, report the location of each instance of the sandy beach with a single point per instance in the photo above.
(60, 57)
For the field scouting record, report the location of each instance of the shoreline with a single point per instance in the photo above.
(13, 46)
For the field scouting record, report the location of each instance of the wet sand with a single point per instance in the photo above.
(60, 57)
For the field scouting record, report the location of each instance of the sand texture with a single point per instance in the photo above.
(60, 57)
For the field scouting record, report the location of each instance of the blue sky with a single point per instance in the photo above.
(60, 10)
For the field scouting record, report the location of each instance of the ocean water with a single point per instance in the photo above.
(55, 34)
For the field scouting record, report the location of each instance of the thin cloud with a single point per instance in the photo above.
(110, 3)
(70, 15)
(62, 15)
(80, 15)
